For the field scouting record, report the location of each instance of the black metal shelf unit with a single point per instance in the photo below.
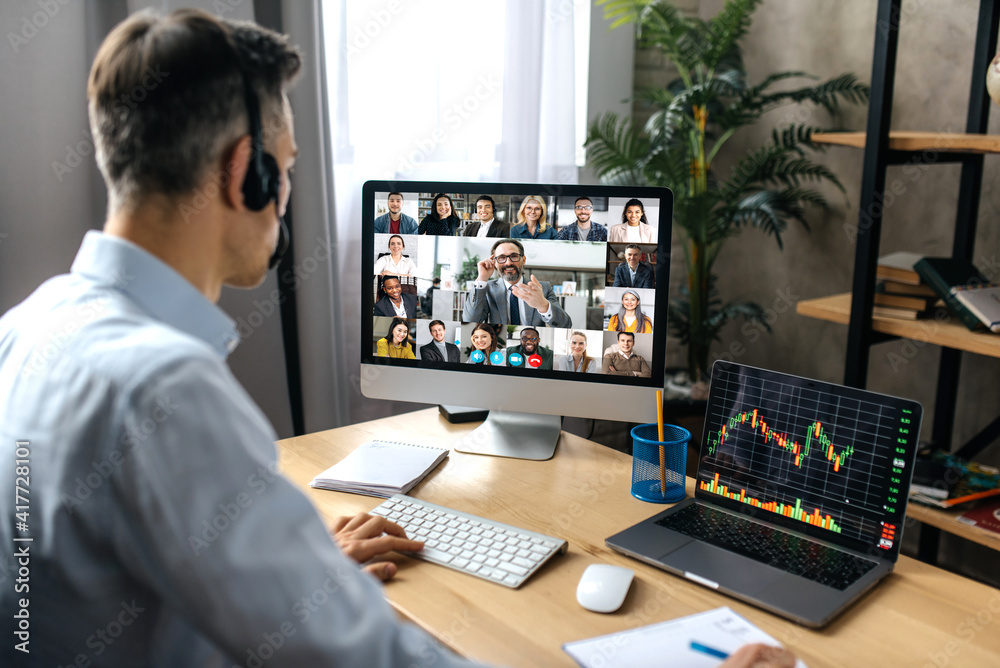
(877, 157)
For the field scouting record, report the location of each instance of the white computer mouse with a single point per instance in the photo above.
(603, 587)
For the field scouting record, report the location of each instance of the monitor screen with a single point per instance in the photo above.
(530, 297)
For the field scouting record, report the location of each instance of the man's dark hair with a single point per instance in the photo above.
(633, 246)
(435, 322)
(583, 197)
(391, 194)
(487, 198)
(627, 334)
(537, 333)
(520, 246)
(166, 99)
(435, 281)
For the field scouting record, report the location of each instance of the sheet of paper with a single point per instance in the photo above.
(669, 643)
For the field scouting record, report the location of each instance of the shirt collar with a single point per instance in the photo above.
(511, 285)
(156, 288)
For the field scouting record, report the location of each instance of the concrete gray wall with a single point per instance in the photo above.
(827, 38)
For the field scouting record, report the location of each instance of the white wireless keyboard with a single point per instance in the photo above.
(490, 550)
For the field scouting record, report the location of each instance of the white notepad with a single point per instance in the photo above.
(669, 643)
(381, 468)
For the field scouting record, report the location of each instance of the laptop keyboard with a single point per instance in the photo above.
(768, 545)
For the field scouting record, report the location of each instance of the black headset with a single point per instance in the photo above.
(262, 183)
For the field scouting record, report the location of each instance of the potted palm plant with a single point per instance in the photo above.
(693, 118)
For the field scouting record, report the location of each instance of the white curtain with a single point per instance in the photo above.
(539, 92)
(441, 90)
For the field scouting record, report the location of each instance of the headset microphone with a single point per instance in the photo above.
(263, 180)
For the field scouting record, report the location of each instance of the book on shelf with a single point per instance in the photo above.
(381, 468)
(897, 312)
(944, 275)
(986, 516)
(983, 301)
(897, 288)
(899, 267)
(944, 481)
(913, 302)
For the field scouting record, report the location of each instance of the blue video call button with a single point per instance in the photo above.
(477, 356)
(515, 359)
(496, 357)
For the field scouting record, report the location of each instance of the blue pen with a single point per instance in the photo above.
(711, 651)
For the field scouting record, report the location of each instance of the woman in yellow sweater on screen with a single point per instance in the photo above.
(630, 317)
(394, 344)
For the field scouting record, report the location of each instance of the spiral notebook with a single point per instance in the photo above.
(381, 468)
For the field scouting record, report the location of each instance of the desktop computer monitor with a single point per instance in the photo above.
(551, 301)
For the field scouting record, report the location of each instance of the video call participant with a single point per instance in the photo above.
(630, 317)
(488, 225)
(584, 229)
(395, 303)
(577, 360)
(394, 343)
(157, 348)
(394, 264)
(529, 346)
(484, 339)
(632, 273)
(532, 220)
(439, 350)
(395, 222)
(634, 227)
(625, 362)
(508, 300)
(442, 220)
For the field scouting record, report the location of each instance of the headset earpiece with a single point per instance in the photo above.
(262, 183)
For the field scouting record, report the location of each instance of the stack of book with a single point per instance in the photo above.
(967, 292)
(901, 292)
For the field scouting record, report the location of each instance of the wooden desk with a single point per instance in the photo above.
(919, 615)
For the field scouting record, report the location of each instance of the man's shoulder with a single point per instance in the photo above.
(100, 332)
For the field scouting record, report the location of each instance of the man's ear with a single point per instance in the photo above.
(237, 164)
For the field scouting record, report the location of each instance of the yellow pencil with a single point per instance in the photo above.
(659, 424)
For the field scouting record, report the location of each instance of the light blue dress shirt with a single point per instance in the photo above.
(161, 534)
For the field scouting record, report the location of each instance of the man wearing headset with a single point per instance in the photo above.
(157, 529)
(155, 503)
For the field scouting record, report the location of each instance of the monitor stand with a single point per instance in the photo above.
(517, 435)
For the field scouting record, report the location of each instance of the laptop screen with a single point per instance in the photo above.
(831, 461)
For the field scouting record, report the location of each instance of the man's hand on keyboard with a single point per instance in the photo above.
(364, 537)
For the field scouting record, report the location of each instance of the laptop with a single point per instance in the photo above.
(800, 494)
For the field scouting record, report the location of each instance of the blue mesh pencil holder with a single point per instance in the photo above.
(646, 484)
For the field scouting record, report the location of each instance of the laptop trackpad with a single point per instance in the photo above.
(729, 570)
